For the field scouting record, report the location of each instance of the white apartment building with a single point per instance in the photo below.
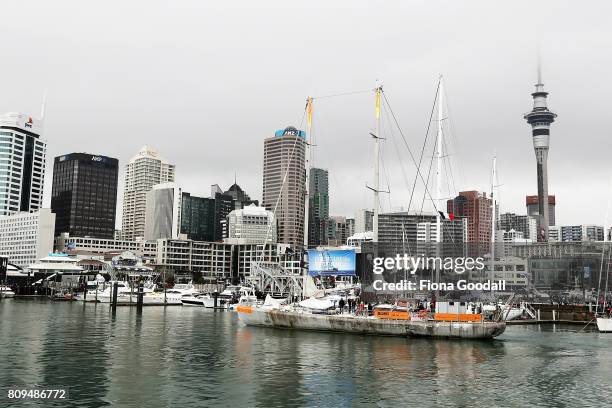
(143, 171)
(26, 237)
(251, 225)
(22, 163)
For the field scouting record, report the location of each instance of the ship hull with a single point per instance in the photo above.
(372, 326)
(604, 324)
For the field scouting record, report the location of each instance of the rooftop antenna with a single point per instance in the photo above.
(43, 107)
(539, 85)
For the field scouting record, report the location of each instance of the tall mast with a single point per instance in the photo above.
(493, 216)
(376, 167)
(439, 156)
(438, 199)
(307, 157)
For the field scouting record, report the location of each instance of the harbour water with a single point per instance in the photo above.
(194, 357)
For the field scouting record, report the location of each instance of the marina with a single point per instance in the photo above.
(197, 357)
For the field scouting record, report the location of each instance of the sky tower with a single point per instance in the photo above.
(540, 119)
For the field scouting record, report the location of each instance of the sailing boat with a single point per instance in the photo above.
(604, 321)
(455, 321)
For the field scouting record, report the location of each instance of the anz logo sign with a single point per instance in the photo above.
(97, 158)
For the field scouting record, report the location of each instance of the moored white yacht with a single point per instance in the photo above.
(199, 300)
(604, 324)
(6, 292)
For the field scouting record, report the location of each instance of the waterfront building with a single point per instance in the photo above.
(318, 211)
(540, 119)
(251, 225)
(84, 194)
(564, 265)
(22, 163)
(284, 183)
(526, 224)
(65, 242)
(105, 247)
(143, 171)
(163, 212)
(26, 237)
(511, 269)
(477, 209)
(533, 208)
(219, 262)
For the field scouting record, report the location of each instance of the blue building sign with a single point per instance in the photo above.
(336, 262)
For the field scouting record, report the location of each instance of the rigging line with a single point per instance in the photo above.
(387, 179)
(451, 164)
(605, 299)
(401, 163)
(433, 153)
(385, 173)
(419, 174)
(448, 171)
(342, 94)
(451, 126)
(411, 155)
(433, 108)
(397, 151)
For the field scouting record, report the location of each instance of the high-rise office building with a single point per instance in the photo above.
(318, 211)
(163, 212)
(477, 208)
(284, 183)
(540, 119)
(84, 195)
(533, 209)
(143, 171)
(198, 217)
(22, 163)
(205, 219)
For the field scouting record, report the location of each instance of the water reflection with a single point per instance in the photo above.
(195, 357)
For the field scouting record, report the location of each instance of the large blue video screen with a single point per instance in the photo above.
(336, 262)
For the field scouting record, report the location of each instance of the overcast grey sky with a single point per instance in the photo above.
(205, 82)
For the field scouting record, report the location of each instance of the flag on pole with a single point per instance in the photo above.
(446, 216)
(309, 111)
(377, 103)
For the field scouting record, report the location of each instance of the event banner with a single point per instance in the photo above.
(331, 262)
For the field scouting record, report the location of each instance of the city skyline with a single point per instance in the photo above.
(144, 106)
